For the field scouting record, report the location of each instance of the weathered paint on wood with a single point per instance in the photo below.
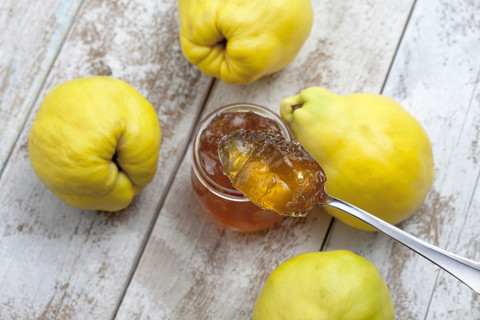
(31, 34)
(62, 263)
(191, 269)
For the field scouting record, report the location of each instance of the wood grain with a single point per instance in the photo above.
(192, 269)
(435, 77)
(30, 37)
(451, 298)
(62, 263)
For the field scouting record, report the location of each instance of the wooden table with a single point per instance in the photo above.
(161, 258)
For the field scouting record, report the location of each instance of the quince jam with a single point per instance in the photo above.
(272, 172)
(219, 200)
(221, 125)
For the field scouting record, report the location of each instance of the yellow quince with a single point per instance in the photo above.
(95, 143)
(325, 285)
(375, 154)
(239, 41)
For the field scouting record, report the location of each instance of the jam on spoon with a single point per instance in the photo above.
(274, 173)
(281, 176)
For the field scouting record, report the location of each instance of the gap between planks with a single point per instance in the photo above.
(165, 193)
(40, 88)
(392, 62)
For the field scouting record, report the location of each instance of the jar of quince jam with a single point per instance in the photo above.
(219, 200)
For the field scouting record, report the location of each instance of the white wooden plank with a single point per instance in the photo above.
(191, 269)
(434, 77)
(59, 262)
(30, 37)
(451, 299)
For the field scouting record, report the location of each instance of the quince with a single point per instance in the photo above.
(375, 154)
(95, 143)
(239, 41)
(322, 286)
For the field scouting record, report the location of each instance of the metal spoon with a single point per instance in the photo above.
(465, 270)
(236, 149)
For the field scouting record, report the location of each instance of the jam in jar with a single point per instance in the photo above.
(219, 200)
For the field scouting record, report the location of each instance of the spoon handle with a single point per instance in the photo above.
(463, 269)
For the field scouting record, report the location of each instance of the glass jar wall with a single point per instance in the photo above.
(221, 202)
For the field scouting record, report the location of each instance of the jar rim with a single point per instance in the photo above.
(199, 170)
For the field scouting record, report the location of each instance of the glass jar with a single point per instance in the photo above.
(227, 206)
